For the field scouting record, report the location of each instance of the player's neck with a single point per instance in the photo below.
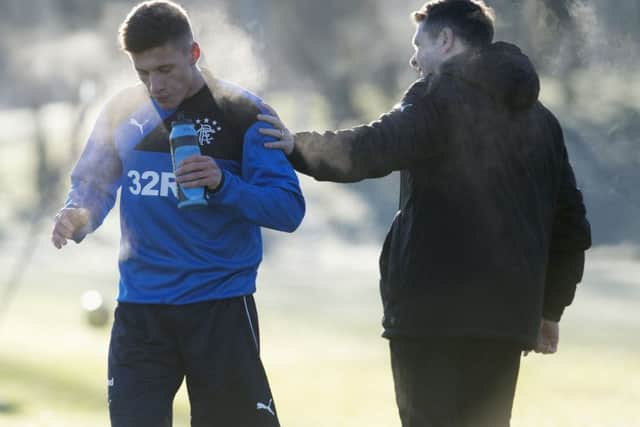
(198, 82)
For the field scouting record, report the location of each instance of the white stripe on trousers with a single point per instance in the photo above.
(253, 332)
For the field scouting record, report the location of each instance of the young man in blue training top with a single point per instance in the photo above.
(185, 305)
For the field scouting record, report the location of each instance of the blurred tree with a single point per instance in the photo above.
(47, 66)
(46, 14)
(554, 37)
(334, 48)
(321, 43)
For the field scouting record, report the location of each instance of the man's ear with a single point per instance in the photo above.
(195, 53)
(447, 39)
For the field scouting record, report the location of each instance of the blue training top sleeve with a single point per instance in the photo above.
(268, 192)
(95, 179)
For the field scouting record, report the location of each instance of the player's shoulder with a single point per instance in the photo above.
(123, 103)
(238, 104)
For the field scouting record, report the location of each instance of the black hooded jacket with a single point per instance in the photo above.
(491, 230)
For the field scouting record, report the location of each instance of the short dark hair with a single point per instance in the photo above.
(471, 20)
(153, 24)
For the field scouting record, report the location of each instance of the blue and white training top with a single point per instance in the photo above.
(170, 256)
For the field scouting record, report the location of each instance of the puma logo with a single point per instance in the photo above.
(262, 407)
(137, 124)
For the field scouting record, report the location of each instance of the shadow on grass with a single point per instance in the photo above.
(29, 382)
(30, 387)
(9, 408)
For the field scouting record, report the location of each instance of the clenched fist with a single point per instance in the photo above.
(68, 222)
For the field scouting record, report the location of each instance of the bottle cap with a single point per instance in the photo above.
(182, 121)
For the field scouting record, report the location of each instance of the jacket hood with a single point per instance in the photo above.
(502, 71)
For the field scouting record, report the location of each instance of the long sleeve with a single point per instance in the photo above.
(267, 193)
(571, 237)
(398, 140)
(95, 179)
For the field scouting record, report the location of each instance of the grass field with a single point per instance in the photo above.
(320, 342)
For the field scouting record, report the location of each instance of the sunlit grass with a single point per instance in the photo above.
(320, 344)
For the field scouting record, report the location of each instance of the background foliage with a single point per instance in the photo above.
(323, 65)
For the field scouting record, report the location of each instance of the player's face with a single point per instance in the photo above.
(429, 53)
(168, 72)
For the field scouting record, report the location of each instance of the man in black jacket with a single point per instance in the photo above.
(488, 244)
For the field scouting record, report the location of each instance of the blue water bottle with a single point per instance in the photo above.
(184, 143)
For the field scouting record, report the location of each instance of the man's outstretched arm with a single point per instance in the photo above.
(400, 139)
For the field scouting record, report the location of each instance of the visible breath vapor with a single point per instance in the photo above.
(228, 50)
(599, 45)
(580, 39)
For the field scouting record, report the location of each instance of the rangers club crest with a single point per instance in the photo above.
(206, 130)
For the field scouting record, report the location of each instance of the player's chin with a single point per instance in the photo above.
(167, 102)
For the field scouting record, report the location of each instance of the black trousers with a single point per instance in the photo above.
(454, 382)
(214, 345)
